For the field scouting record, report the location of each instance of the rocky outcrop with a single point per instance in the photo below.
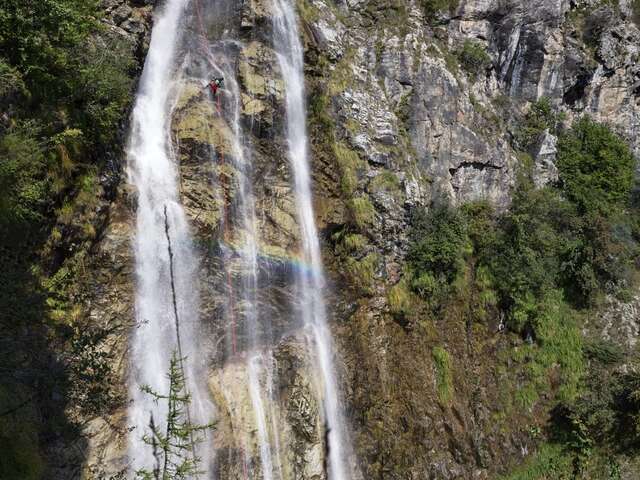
(395, 123)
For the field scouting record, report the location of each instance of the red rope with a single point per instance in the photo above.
(226, 233)
(204, 46)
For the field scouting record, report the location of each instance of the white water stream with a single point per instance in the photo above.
(248, 251)
(311, 283)
(160, 220)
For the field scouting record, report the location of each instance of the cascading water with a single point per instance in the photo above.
(245, 376)
(249, 269)
(165, 261)
(219, 62)
(310, 283)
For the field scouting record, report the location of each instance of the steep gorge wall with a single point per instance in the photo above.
(395, 124)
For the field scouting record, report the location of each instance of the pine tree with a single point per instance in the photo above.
(174, 442)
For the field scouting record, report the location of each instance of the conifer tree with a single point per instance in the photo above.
(174, 442)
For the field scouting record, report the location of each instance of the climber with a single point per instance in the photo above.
(215, 84)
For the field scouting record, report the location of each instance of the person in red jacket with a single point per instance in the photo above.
(215, 84)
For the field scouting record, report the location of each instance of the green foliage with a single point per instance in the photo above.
(10, 81)
(444, 378)
(438, 249)
(526, 256)
(540, 117)
(362, 272)
(555, 252)
(354, 242)
(348, 162)
(606, 414)
(604, 352)
(42, 38)
(362, 211)
(175, 440)
(550, 462)
(596, 167)
(64, 87)
(554, 362)
(399, 299)
(23, 183)
(473, 58)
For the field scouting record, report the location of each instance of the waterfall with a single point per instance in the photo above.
(161, 224)
(311, 283)
(166, 260)
(246, 220)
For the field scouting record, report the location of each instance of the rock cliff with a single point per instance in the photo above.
(401, 116)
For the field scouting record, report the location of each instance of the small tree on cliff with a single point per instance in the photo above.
(174, 442)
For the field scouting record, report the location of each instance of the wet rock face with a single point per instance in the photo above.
(395, 123)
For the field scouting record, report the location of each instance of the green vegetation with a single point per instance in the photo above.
(64, 87)
(543, 266)
(354, 242)
(473, 58)
(362, 272)
(363, 211)
(549, 463)
(557, 352)
(438, 250)
(444, 379)
(399, 299)
(386, 181)
(348, 162)
(540, 117)
(596, 168)
(175, 440)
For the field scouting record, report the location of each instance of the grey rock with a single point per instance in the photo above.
(121, 13)
(545, 170)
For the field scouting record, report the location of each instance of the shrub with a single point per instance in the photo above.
(526, 258)
(348, 162)
(549, 462)
(540, 117)
(362, 272)
(438, 247)
(399, 299)
(596, 167)
(41, 39)
(474, 58)
(23, 184)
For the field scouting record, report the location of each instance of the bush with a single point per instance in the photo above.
(549, 462)
(363, 212)
(64, 87)
(438, 247)
(596, 168)
(474, 58)
(23, 184)
(41, 38)
(399, 300)
(540, 117)
(526, 258)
